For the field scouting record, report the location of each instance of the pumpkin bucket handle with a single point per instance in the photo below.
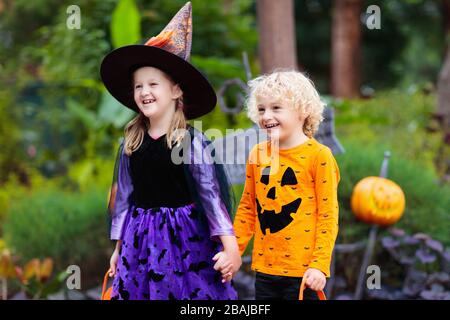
(106, 294)
(321, 294)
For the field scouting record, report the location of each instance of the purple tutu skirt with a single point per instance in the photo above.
(167, 254)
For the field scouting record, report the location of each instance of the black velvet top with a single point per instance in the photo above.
(157, 181)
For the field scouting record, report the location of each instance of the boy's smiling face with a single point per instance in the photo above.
(281, 120)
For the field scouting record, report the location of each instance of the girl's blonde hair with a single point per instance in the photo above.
(139, 125)
(292, 88)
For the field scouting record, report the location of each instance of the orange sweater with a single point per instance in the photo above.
(292, 212)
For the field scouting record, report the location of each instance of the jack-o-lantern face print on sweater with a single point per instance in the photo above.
(289, 205)
(270, 219)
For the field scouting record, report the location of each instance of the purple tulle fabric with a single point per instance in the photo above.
(167, 255)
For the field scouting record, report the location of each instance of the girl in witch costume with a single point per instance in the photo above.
(174, 235)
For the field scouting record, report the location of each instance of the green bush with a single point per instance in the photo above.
(71, 228)
(427, 203)
(5, 192)
(395, 119)
(13, 191)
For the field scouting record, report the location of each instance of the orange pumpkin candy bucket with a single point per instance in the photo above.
(106, 293)
(321, 294)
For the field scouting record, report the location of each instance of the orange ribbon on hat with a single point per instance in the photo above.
(161, 39)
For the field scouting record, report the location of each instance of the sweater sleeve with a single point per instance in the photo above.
(124, 188)
(203, 172)
(326, 177)
(244, 221)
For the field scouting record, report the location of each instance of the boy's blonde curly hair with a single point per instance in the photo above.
(292, 88)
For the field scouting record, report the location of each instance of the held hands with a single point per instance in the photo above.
(228, 264)
(315, 279)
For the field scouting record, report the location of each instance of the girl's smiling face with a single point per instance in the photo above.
(155, 93)
(281, 121)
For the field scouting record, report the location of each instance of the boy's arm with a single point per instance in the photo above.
(244, 221)
(326, 181)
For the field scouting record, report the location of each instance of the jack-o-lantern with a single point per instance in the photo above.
(273, 214)
(378, 200)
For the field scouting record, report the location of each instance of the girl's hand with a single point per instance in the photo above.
(315, 279)
(224, 265)
(228, 264)
(113, 263)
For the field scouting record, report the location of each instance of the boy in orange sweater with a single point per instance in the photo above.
(289, 203)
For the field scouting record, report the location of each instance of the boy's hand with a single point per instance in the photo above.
(315, 279)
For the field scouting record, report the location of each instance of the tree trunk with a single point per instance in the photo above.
(277, 45)
(446, 11)
(346, 49)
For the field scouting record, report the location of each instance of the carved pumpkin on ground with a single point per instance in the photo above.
(378, 200)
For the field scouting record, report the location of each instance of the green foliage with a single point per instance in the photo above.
(427, 203)
(69, 57)
(110, 111)
(395, 120)
(10, 140)
(66, 114)
(88, 172)
(41, 37)
(110, 116)
(53, 64)
(125, 24)
(10, 192)
(68, 227)
(220, 68)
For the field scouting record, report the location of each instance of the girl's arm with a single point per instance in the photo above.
(114, 259)
(229, 244)
(121, 203)
(203, 173)
(118, 245)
